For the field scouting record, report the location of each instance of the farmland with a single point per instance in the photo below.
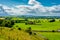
(44, 25)
(35, 24)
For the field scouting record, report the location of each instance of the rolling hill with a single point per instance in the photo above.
(14, 34)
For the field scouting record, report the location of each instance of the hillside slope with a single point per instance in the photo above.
(14, 34)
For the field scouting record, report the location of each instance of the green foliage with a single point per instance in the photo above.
(26, 19)
(1, 21)
(53, 20)
(29, 30)
(7, 23)
(19, 28)
(12, 22)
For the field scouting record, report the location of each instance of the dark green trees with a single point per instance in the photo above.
(6, 23)
(53, 20)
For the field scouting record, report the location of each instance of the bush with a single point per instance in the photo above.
(53, 30)
(26, 19)
(26, 23)
(1, 21)
(29, 31)
(53, 20)
(34, 33)
(11, 29)
(19, 28)
(7, 23)
(12, 22)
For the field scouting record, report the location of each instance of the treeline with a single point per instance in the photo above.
(40, 17)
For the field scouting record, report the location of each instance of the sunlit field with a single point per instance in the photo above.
(44, 24)
(51, 35)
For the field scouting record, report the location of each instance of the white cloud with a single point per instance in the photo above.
(33, 2)
(36, 9)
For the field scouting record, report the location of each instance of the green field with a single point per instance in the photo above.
(43, 25)
(51, 35)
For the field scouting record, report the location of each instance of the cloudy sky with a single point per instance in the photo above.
(31, 7)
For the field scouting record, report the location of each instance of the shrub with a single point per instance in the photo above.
(11, 29)
(53, 20)
(6, 25)
(34, 33)
(19, 28)
(26, 23)
(26, 19)
(12, 22)
(29, 31)
(1, 21)
(53, 30)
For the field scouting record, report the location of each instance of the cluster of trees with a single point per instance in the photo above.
(29, 22)
(6, 23)
(38, 22)
(20, 21)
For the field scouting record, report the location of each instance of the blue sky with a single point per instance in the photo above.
(32, 7)
(24, 2)
(50, 2)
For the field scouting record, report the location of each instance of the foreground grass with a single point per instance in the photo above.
(14, 34)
